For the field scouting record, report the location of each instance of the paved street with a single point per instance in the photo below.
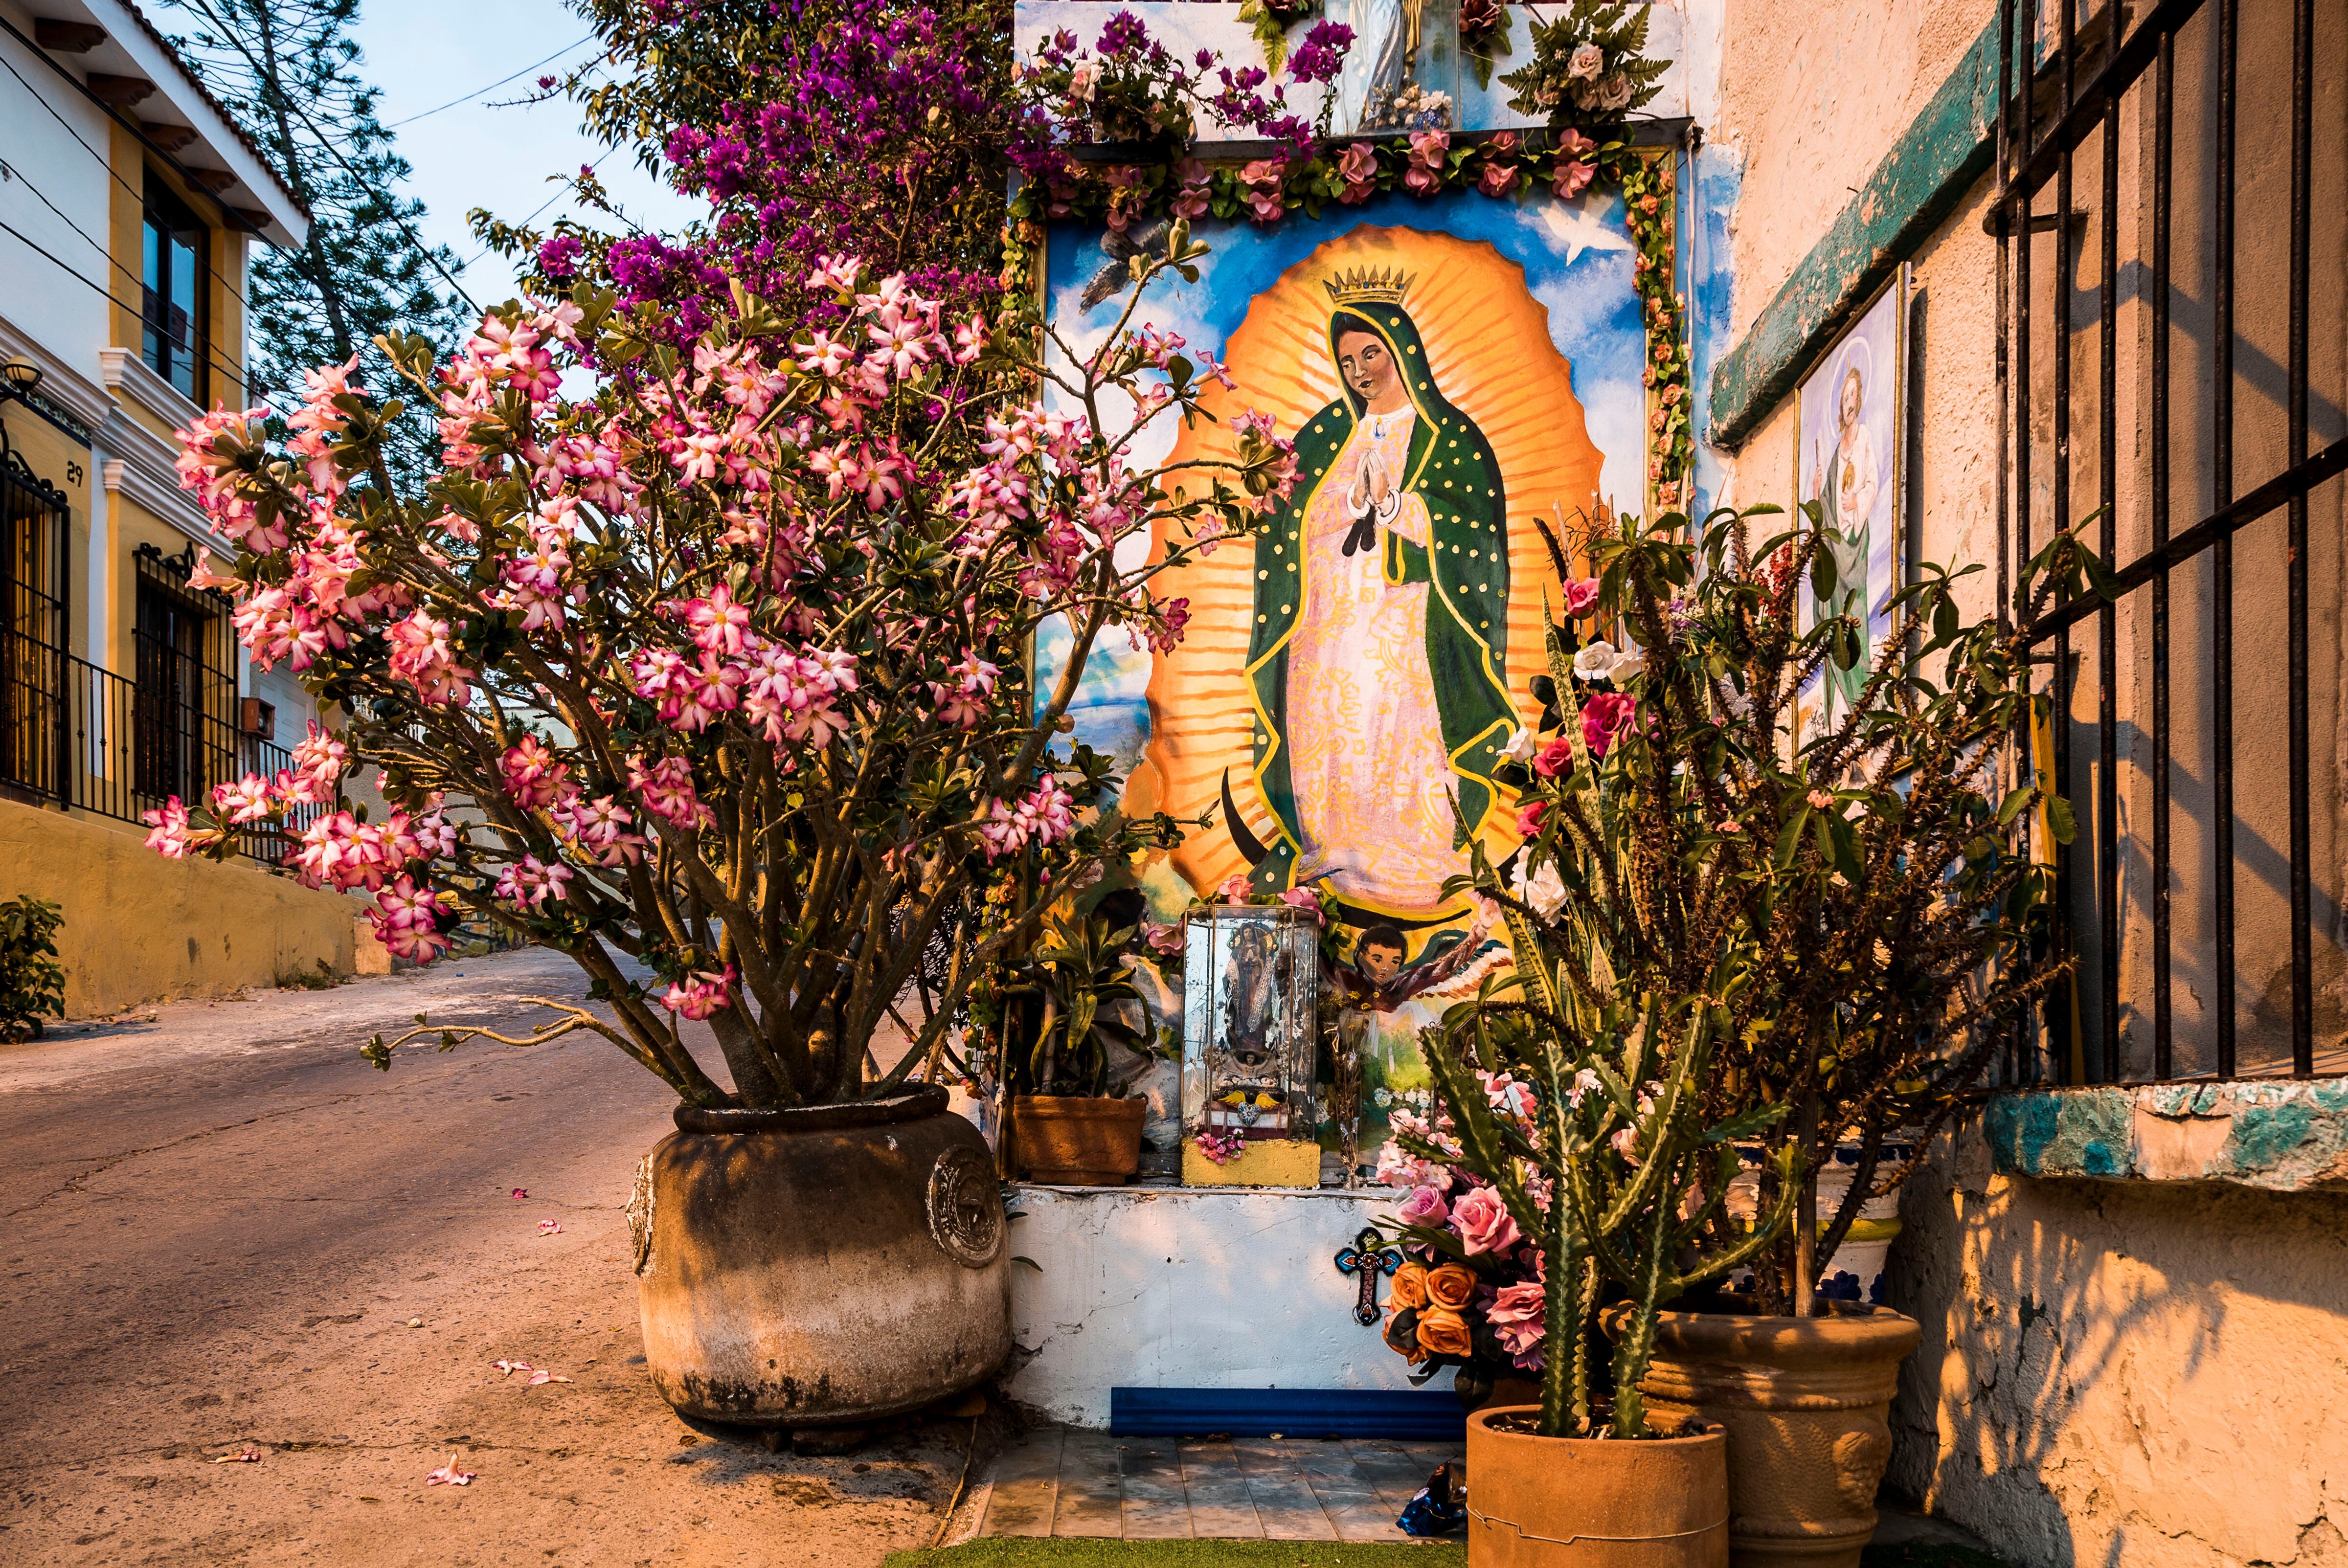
(225, 1231)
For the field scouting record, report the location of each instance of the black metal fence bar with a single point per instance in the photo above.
(2303, 935)
(84, 736)
(2163, 134)
(2221, 549)
(2045, 117)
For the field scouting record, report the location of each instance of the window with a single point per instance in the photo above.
(183, 736)
(177, 248)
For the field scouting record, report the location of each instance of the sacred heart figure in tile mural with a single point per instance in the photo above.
(1363, 675)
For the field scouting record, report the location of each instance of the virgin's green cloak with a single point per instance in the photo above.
(1466, 559)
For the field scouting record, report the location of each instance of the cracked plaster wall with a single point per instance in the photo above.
(1168, 1287)
(2151, 1374)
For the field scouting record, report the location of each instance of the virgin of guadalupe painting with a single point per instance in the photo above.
(1378, 652)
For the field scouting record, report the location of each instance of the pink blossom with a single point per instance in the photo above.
(1482, 1222)
(1605, 716)
(169, 823)
(1426, 1206)
(1302, 898)
(699, 995)
(1517, 1316)
(1529, 817)
(1496, 178)
(449, 1475)
(1235, 888)
(1581, 596)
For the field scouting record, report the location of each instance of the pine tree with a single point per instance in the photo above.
(288, 71)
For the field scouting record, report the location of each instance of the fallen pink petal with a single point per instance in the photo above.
(510, 1368)
(250, 1456)
(520, 1192)
(538, 1377)
(449, 1475)
(549, 1228)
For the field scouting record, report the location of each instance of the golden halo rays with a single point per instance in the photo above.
(1489, 345)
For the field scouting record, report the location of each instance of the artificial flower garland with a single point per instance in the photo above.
(1503, 165)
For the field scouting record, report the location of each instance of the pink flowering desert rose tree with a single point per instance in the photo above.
(721, 666)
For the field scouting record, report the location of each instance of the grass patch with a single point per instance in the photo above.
(1917, 1554)
(1000, 1552)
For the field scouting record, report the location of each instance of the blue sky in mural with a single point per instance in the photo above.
(1576, 257)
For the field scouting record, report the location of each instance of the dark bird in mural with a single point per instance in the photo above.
(1120, 248)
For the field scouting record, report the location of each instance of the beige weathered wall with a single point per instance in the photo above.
(2126, 1374)
(1810, 98)
(2114, 1374)
(139, 928)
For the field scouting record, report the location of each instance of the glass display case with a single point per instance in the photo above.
(1251, 986)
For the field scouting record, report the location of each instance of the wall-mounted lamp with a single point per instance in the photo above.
(19, 378)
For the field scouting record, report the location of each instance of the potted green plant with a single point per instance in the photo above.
(713, 678)
(1841, 912)
(1068, 1013)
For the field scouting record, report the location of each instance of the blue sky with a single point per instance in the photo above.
(425, 53)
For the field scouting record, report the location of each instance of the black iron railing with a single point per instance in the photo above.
(2178, 397)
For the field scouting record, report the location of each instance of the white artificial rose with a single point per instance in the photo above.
(1520, 746)
(1614, 92)
(1629, 662)
(1595, 661)
(1587, 61)
(1544, 890)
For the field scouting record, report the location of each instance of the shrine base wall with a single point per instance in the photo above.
(1188, 1288)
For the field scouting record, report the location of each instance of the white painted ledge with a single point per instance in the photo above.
(1188, 1288)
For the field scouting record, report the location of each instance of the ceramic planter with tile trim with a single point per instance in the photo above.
(1803, 1402)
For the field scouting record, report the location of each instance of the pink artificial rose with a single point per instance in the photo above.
(1421, 181)
(1357, 163)
(1429, 148)
(1235, 889)
(1555, 758)
(1302, 898)
(1529, 817)
(1483, 1222)
(1605, 716)
(1580, 596)
(1425, 1206)
(1516, 1312)
(1571, 178)
(1497, 179)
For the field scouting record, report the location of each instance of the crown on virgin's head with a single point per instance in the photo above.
(1365, 285)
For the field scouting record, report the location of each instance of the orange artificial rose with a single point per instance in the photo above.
(1409, 1288)
(1443, 1332)
(1451, 1286)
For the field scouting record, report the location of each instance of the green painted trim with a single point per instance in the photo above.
(1923, 178)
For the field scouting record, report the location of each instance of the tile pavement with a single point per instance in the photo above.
(1059, 1481)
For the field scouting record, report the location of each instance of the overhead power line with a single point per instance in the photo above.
(493, 87)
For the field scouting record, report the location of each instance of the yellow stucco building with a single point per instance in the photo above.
(130, 206)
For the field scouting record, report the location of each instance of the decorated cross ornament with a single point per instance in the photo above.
(1366, 1258)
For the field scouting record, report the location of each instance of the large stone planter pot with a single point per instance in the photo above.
(1803, 1400)
(1583, 1503)
(821, 1266)
(1076, 1141)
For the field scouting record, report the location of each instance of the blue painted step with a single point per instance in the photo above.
(1406, 1415)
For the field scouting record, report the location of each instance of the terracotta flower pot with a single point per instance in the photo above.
(821, 1266)
(1803, 1400)
(1584, 1502)
(1075, 1141)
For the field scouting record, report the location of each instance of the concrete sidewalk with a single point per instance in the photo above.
(228, 1233)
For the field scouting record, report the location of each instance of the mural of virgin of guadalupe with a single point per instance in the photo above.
(1377, 659)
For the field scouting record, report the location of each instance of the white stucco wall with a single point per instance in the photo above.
(1201, 1287)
